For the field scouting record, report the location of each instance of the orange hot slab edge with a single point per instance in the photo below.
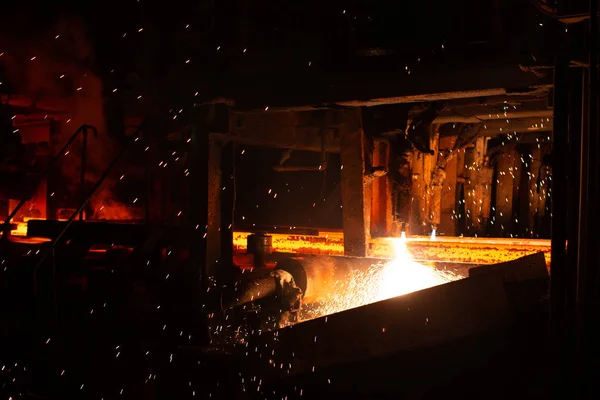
(442, 249)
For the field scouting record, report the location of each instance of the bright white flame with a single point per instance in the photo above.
(403, 275)
(381, 281)
(432, 234)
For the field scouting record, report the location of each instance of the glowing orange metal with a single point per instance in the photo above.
(441, 249)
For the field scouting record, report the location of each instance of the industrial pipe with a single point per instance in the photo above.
(250, 290)
(260, 245)
(313, 277)
(316, 276)
(273, 284)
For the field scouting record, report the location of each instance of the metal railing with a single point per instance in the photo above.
(51, 249)
(83, 130)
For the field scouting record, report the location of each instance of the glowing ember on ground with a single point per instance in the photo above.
(382, 281)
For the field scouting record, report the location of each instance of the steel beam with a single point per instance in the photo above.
(346, 90)
(448, 204)
(507, 180)
(381, 204)
(478, 187)
(560, 145)
(459, 117)
(356, 188)
(418, 193)
(288, 130)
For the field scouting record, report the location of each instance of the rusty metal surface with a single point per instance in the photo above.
(522, 269)
(417, 320)
(420, 319)
(355, 188)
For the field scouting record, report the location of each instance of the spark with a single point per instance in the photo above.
(382, 281)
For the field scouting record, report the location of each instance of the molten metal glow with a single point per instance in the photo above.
(382, 281)
(21, 229)
(443, 249)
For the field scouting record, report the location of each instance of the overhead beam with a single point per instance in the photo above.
(290, 130)
(41, 106)
(442, 96)
(473, 119)
(417, 98)
(525, 125)
(309, 139)
(298, 131)
(347, 89)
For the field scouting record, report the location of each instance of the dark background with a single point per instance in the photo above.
(302, 43)
(303, 198)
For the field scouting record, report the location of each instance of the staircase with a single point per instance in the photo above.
(59, 260)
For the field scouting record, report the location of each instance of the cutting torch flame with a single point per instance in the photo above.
(403, 275)
(433, 232)
(382, 281)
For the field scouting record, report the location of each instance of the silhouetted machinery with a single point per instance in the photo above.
(278, 294)
(299, 288)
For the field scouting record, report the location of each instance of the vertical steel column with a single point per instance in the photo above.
(147, 180)
(562, 344)
(356, 191)
(195, 290)
(590, 284)
(560, 144)
(84, 133)
(381, 213)
(576, 92)
(589, 266)
(198, 202)
(227, 197)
